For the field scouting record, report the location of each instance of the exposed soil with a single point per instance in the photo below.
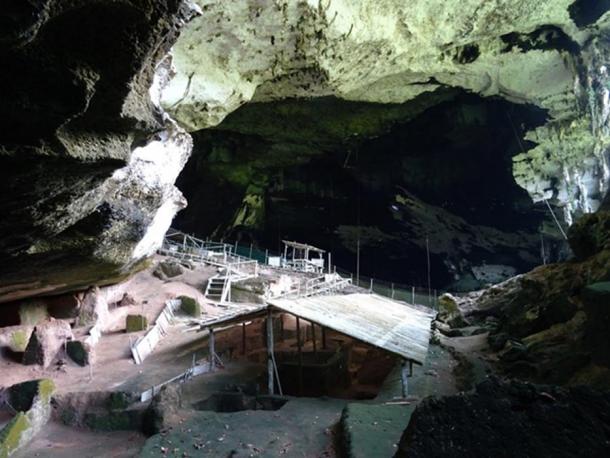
(59, 441)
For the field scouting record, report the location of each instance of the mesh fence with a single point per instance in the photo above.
(398, 291)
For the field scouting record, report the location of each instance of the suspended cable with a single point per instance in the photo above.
(555, 218)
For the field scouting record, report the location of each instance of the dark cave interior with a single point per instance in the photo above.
(454, 158)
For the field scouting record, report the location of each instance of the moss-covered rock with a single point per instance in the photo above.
(168, 269)
(136, 323)
(19, 340)
(449, 312)
(590, 234)
(80, 352)
(33, 312)
(46, 341)
(11, 435)
(32, 400)
(190, 306)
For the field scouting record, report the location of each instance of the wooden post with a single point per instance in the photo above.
(270, 352)
(282, 334)
(323, 338)
(243, 338)
(329, 263)
(371, 290)
(266, 256)
(404, 378)
(413, 295)
(392, 290)
(212, 350)
(300, 355)
(251, 246)
(313, 337)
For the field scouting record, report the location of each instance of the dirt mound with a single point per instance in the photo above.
(511, 419)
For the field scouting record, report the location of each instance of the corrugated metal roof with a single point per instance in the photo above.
(303, 246)
(384, 323)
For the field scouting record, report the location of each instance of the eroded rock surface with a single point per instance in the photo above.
(550, 324)
(510, 420)
(541, 53)
(87, 159)
(46, 341)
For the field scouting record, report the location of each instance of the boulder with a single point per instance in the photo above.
(93, 308)
(190, 306)
(168, 269)
(136, 323)
(32, 401)
(596, 301)
(126, 301)
(15, 337)
(590, 234)
(46, 341)
(80, 352)
(449, 311)
(510, 419)
(33, 312)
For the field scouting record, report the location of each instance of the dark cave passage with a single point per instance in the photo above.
(441, 175)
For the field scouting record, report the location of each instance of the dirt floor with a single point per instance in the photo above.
(172, 356)
(59, 441)
(366, 412)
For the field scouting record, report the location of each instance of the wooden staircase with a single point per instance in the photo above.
(218, 289)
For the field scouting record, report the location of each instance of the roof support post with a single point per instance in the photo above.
(212, 350)
(243, 338)
(300, 355)
(404, 378)
(323, 337)
(313, 337)
(270, 351)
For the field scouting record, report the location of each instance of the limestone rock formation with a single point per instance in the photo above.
(88, 159)
(46, 341)
(552, 315)
(510, 419)
(548, 53)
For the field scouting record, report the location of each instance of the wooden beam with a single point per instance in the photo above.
(212, 349)
(313, 337)
(270, 365)
(243, 338)
(404, 378)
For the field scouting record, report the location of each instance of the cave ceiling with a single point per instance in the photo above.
(100, 98)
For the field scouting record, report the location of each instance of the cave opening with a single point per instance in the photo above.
(587, 12)
(433, 177)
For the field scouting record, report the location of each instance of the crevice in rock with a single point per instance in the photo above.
(587, 12)
(544, 38)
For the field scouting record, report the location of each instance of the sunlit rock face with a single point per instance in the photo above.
(548, 53)
(88, 160)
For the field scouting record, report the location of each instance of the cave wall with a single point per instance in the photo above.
(89, 152)
(87, 159)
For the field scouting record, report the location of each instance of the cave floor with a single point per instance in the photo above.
(172, 356)
(59, 441)
(308, 427)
